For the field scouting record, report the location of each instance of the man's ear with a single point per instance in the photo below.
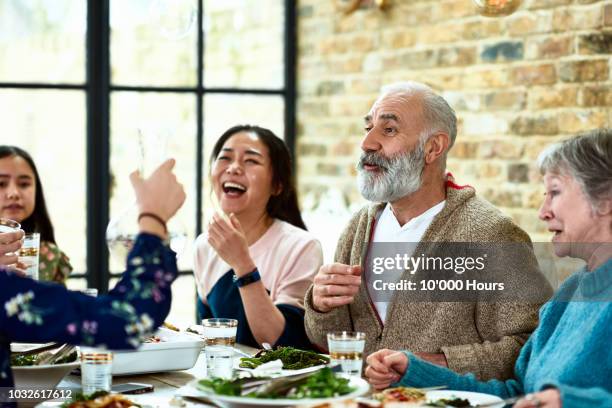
(436, 146)
(604, 207)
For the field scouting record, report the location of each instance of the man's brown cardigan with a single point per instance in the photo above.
(483, 338)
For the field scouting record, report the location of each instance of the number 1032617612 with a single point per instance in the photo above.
(37, 394)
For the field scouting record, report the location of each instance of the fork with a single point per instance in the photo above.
(63, 351)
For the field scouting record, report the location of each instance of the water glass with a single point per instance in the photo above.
(220, 338)
(96, 370)
(346, 349)
(7, 225)
(220, 331)
(28, 254)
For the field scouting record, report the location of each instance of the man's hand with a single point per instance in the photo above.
(550, 398)
(10, 242)
(385, 367)
(335, 285)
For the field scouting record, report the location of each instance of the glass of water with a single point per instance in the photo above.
(28, 254)
(346, 349)
(220, 338)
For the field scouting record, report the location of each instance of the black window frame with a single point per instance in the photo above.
(98, 89)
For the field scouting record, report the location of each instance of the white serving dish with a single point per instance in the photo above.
(39, 376)
(177, 351)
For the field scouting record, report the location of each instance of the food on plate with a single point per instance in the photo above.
(32, 359)
(449, 402)
(99, 399)
(170, 326)
(321, 384)
(292, 358)
(401, 394)
(153, 339)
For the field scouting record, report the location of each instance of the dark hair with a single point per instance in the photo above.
(39, 220)
(284, 205)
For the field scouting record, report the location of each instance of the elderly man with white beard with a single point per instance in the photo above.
(402, 170)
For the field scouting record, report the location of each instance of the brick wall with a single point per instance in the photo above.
(517, 84)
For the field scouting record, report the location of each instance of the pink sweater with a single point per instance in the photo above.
(287, 258)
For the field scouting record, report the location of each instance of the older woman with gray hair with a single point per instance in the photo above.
(567, 361)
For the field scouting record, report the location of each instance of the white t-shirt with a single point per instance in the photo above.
(388, 229)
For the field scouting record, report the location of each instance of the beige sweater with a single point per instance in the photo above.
(479, 337)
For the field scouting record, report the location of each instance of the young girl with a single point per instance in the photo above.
(256, 260)
(22, 200)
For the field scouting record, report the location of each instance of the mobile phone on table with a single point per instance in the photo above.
(132, 388)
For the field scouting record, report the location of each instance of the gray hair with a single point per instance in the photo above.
(587, 158)
(438, 115)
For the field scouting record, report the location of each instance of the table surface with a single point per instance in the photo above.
(166, 384)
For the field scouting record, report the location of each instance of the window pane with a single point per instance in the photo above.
(244, 43)
(50, 125)
(165, 117)
(42, 40)
(224, 111)
(154, 42)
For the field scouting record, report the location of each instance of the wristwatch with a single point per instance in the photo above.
(247, 279)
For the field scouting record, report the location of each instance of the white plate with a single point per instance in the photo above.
(474, 397)
(360, 385)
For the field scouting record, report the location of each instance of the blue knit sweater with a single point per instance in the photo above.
(571, 349)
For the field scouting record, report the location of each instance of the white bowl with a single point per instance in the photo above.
(41, 376)
(177, 351)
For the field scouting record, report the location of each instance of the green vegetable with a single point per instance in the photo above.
(321, 384)
(31, 359)
(292, 358)
(449, 402)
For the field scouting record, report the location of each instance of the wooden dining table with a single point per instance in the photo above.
(166, 384)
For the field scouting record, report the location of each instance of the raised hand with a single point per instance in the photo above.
(335, 285)
(385, 367)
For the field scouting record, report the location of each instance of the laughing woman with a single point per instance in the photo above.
(567, 361)
(256, 260)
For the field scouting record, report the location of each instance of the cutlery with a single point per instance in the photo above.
(63, 351)
(36, 350)
(277, 384)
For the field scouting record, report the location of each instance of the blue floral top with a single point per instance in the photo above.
(43, 311)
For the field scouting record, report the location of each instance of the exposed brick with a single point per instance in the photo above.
(540, 4)
(489, 170)
(572, 122)
(484, 124)
(608, 15)
(518, 173)
(457, 56)
(584, 70)
(462, 101)
(503, 198)
(417, 59)
(481, 29)
(326, 169)
(514, 100)
(533, 199)
(502, 51)
(440, 33)
(464, 150)
(521, 24)
(452, 9)
(577, 18)
(599, 43)
(548, 97)
(311, 149)
(597, 96)
(345, 147)
(549, 47)
(398, 39)
(485, 78)
(330, 88)
(535, 125)
(499, 149)
(534, 75)
(314, 108)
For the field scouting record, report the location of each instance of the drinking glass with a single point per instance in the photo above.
(220, 338)
(28, 254)
(7, 225)
(346, 349)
